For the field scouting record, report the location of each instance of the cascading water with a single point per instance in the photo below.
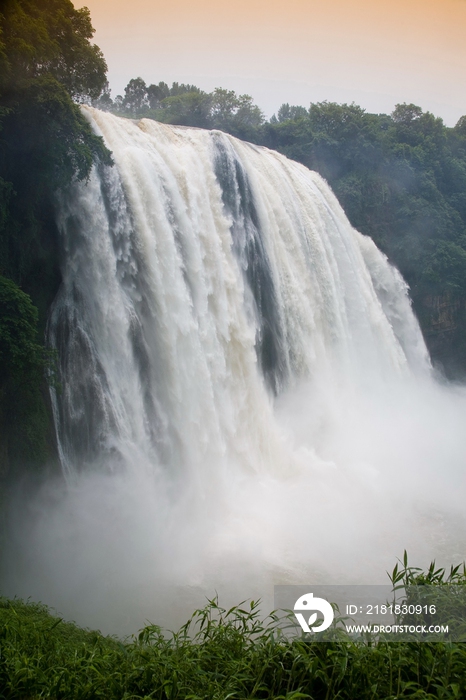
(202, 274)
(246, 395)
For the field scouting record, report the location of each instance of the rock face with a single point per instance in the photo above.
(443, 320)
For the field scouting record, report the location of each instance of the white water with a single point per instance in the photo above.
(247, 398)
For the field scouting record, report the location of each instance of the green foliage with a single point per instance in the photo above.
(23, 418)
(18, 331)
(405, 575)
(136, 98)
(219, 654)
(446, 266)
(47, 140)
(50, 37)
(444, 590)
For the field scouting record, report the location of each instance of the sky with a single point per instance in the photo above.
(376, 53)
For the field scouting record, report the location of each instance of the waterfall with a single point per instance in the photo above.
(245, 395)
(202, 277)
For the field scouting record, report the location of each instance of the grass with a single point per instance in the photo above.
(221, 655)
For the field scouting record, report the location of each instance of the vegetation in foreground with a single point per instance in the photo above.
(220, 655)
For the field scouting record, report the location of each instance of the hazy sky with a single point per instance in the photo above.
(373, 52)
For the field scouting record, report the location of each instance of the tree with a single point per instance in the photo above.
(50, 37)
(460, 126)
(136, 99)
(417, 128)
(406, 114)
(224, 106)
(236, 114)
(156, 94)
